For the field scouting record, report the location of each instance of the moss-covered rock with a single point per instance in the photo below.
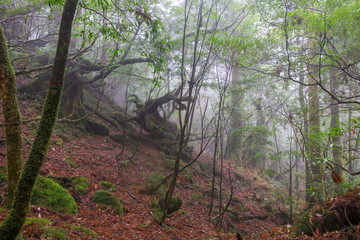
(86, 233)
(55, 233)
(96, 127)
(106, 198)
(315, 218)
(64, 181)
(48, 193)
(81, 184)
(41, 228)
(174, 205)
(106, 185)
(119, 138)
(153, 181)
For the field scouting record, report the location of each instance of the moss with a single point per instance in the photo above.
(189, 176)
(174, 205)
(85, 232)
(38, 221)
(107, 186)
(154, 180)
(55, 233)
(3, 178)
(169, 163)
(48, 193)
(106, 198)
(81, 184)
(71, 163)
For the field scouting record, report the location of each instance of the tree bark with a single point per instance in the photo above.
(12, 122)
(13, 223)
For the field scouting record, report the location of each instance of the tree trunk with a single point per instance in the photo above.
(335, 124)
(314, 126)
(235, 141)
(12, 120)
(305, 111)
(13, 223)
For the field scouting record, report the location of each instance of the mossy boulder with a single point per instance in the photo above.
(96, 127)
(86, 233)
(174, 205)
(153, 181)
(64, 181)
(119, 138)
(315, 218)
(106, 185)
(48, 193)
(103, 197)
(81, 184)
(208, 167)
(41, 228)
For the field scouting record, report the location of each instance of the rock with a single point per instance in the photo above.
(119, 138)
(96, 127)
(106, 198)
(48, 193)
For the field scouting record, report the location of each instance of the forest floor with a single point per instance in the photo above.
(256, 206)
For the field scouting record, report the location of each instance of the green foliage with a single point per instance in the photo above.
(48, 193)
(106, 198)
(81, 184)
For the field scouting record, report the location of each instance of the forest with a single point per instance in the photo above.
(187, 119)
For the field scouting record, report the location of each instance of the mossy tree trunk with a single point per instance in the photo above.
(335, 124)
(13, 223)
(12, 120)
(314, 128)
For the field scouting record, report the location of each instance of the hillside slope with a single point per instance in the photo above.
(98, 158)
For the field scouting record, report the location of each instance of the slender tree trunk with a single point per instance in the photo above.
(12, 120)
(13, 223)
(235, 141)
(314, 125)
(291, 181)
(350, 156)
(305, 111)
(335, 124)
